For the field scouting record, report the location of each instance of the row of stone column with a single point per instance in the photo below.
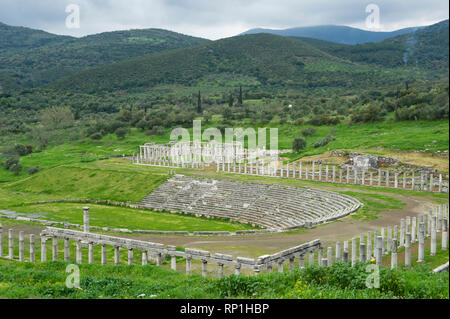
(348, 176)
(10, 250)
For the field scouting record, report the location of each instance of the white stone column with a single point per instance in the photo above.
(188, 265)
(444, 234)
(32, 249)
(301, 261)
(334, 174)
(338, 251)
(311, 258)
(103, 254)
(21, 246)
(414, 230)
(10, 244)
(43, 249)
(389, 239)
(130, 256)
(433, 236)
(394, 257)
(379, 251)
(220, 270)
(408, 250)
(86, 219)
(204, 268)
(280, 264)
(362, 252)
(402, 232)
(421, 255)
(330, 256)
(369, 245)
(354, 252)
(237, 269)
(79, 255)
(66, 250)
(383, 241)
(54, 249)
(91, 253)
(116, 255)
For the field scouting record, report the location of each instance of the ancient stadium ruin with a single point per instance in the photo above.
(266, 205)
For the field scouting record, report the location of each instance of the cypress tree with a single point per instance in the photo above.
(240, 100)
(199, 103)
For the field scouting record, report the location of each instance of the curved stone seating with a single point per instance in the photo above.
(266, 205)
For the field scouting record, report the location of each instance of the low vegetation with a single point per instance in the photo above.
(24, 280)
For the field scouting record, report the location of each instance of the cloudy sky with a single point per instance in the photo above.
(215, 19)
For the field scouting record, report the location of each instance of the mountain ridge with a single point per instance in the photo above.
(335, 33)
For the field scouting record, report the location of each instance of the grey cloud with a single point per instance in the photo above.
(215, 19)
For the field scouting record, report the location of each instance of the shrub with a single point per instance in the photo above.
(310, 131)
(96, 136)
(325, 141)
(33, 170)
(10, 162)
(16, 168)
(320, 120)
(121, 132)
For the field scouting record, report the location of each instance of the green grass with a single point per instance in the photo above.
(133, 219)
(112, 179)
(418, 135)
(47, 280)
(374, 204)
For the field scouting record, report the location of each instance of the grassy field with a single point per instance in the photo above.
(395, 136)
(133, 219)
(47, 280)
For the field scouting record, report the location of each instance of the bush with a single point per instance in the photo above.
(320, 120)
(310, 131)
(10, 162)
(325, 141)
(96, 136)
(18, 149)
(121, 132)
(16, 168)
(298, 144)
(33, 170)
(157, 130)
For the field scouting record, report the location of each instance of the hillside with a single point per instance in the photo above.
(334, 33)
(32, 58)
(425, 48)
(261, 59)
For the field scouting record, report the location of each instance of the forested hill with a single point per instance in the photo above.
(426, 48)
(32, 58)
(335, 33)
(262, 58)
(20, 39)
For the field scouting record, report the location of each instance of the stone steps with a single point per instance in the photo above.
(266, 205)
